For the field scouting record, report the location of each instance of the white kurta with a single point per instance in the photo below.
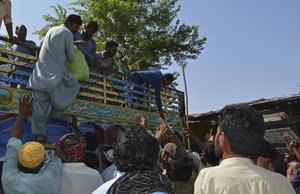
(77, 178)
(54, 87)
(51, 68)
(239, 175)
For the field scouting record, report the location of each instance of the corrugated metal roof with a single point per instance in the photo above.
(280, 115)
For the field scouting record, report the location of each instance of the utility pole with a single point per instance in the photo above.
(183, 66)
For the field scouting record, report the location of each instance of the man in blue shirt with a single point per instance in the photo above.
(85, 42)
(21, 32)
(154, 78)
(25, 169)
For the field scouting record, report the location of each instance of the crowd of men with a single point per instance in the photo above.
(237, 159)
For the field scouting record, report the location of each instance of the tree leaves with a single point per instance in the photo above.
(145, 30)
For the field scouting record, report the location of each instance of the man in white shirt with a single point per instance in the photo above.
(77, 178)
(238, 137)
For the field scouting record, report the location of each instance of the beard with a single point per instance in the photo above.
(218, 150)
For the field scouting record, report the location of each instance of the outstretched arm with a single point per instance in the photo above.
(196, 140)
(142, 121)
(163, 133)
(293, 146)
(74, 124)
(287, 142)
(209, 136)
(24, 109)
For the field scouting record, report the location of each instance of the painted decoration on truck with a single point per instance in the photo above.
(9, 99)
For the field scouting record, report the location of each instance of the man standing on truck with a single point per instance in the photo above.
(105, 61)
(53, 85)
(85, 42)
(21, 32)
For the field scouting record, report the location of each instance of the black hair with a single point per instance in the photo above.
(181, 167)
(110, 44)
(92, 160)
(34, 170)
(135, 150)
(209, 152)
(91, 141)
(169, 76)
(73, 18)
(278, 166)
(268, 150)
(19, 26)
(92, 24)
(244, 128)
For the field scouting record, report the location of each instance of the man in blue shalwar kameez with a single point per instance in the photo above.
(156, 79)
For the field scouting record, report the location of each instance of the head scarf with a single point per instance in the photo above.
(31, 154)
(71, 148)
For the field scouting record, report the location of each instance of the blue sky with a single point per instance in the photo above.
(252, 52)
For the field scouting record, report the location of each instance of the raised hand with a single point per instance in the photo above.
(286, 137)
(142, 121)
(25, 104)
(163, 133)
(210, 136)
(24, 108)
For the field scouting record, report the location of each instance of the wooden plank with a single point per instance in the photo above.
(115, 100)
(10, 61)
(92, 88)
(170, 95)
(99, 90)
(96, 74)
(93, 81)
(18, 54)
(29, 46)
(6, 70)
(85, 94)
(166, 94)
(112, 92)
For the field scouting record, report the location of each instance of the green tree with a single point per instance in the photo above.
(61, 14)
(147, 30)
